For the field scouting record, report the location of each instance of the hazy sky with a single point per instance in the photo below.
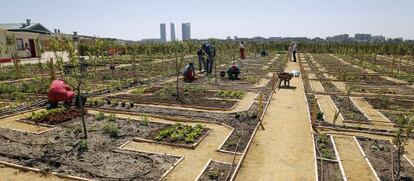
(138, 19)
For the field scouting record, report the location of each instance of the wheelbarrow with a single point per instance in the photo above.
(285, 77)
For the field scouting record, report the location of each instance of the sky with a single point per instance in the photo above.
(140, 19)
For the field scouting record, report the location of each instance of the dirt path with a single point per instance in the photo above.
(355, 166)
(13, 174)
(285, 149)
(11, 123)
(194, 160)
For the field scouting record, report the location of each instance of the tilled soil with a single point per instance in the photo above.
(327, 170)
(217, 171)
(348, 109)
(391, 103)
(59, 151)
(187, 101)
(379, 154)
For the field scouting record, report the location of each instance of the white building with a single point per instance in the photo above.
(172, 29)
(186, 31)
(163, 32)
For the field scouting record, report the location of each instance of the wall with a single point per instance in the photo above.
(6, 52)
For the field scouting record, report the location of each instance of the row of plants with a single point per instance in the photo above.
(233, 94)
(179, 132)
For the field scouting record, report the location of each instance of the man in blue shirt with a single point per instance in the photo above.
(210, 51)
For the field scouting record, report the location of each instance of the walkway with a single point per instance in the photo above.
(285, 150)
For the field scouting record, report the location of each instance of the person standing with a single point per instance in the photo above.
(294, 50)
(242, 49)
(210, 51)
(27, 50)
(201, 60)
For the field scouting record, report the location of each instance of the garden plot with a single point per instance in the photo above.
(12, 122)
(379, 155)
(191, 97)
(329, 167)
(65, 154)
(216, 170)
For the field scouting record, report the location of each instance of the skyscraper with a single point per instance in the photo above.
(186, 31)
(163, 32)
(172, 29)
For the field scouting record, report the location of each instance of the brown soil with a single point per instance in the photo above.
(57, 118)
(331, 171)
(390, 103)
(190, 100)
(58, 150)
(216, 171)
(379, 154)
(326, 169)
(348, 109)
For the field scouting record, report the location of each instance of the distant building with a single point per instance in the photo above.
(163, 32)
(338, 38)
(362, 37)
(17, 38)
(186, 31)
(172, 31)
(378, 39)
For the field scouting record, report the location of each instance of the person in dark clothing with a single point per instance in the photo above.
(233, 72)
(201, 60)
(263, 53)
(294, 50)
(189, 74)
(210, 50)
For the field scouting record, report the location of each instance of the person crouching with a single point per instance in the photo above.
(233, 72)
(189, 74)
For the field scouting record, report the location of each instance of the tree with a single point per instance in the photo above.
(405, 130)
(178, 47)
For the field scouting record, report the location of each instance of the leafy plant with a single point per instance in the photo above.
(145, 121)
(179, 131)
(319, 116)
(83, 145)
(100, 116)
(231, 94)
(252, 79)
(139, 90)
(111, 117)
(111, 129)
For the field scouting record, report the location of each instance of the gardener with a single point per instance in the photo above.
(263, 53)
(233, 72)
(58, 92)
(294, 49)
(189, 75)
(201, 61)
(210, 50)
(242, 49)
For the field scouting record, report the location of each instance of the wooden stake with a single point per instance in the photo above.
(260, 111)
(314, 108)
(274, 82)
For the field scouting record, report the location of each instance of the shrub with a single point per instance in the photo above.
(145, 121)
(100, 116)
(139, 90)
(83, 146)
(319, 116)
(111, 117)
(131, 104)
(111, 129)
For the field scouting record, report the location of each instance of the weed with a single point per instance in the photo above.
(111, 129)
(111, 117)
(83, 146)
(145, 121)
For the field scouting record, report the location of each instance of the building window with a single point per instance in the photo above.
(20, 45)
